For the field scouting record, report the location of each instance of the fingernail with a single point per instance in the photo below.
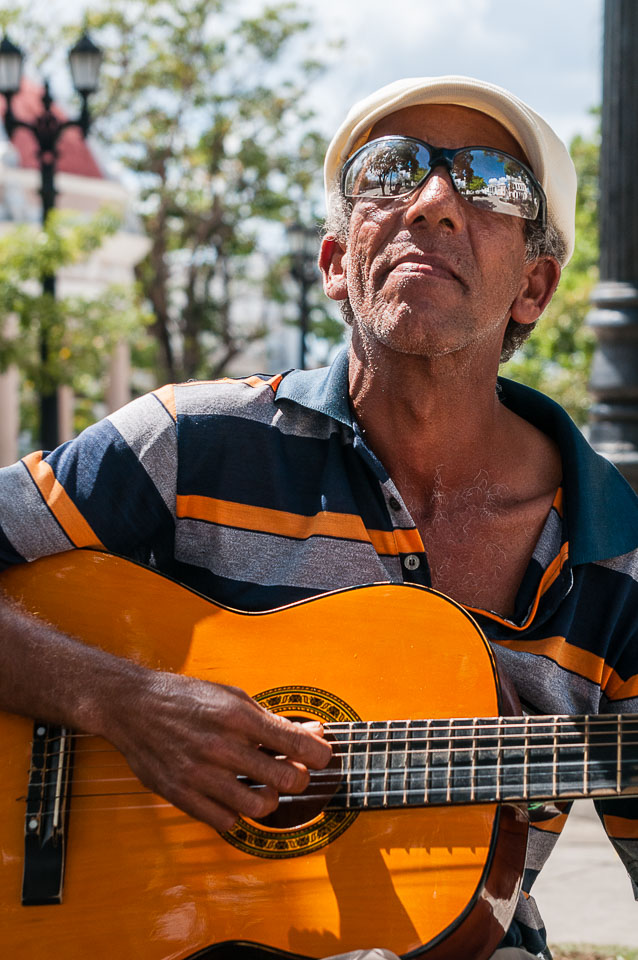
(313, 726)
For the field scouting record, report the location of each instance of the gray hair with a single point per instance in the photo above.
(539, 242)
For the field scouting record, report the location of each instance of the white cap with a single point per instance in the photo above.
(548, 156)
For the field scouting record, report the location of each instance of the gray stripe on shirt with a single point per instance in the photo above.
(26, 520)
(149, 430)
(319, 563)
(546, 686)
(627, 563)
(256, 404)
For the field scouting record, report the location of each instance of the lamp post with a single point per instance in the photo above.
(303, 252)
(614, 316)
(84, 60)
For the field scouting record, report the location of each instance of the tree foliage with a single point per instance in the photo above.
(80, 331)
(195, 103)
(557, 357)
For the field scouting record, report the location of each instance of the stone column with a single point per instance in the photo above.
(614, 317)
(9, 416)
(118, 391)
(65, 411)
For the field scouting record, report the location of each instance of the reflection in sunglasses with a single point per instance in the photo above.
(395, 166)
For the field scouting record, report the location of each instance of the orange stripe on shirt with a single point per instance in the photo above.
(565, 654)
(345, 526)
(393, 542)
(60, 504)
(166, 396)
(579, 661)
(267, 520)
(618, 689)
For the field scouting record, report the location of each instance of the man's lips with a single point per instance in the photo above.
(426, 264)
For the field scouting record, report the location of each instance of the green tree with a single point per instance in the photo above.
(81, 331)
(557, 357)
(196, 104)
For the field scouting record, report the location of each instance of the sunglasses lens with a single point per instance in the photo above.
(494, 181)
(394, 166)
(389, 167)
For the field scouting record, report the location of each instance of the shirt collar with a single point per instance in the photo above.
(324, 390)
(601, 509)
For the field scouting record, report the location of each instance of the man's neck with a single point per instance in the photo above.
(423, 416)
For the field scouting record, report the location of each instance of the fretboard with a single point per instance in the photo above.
(482, 760)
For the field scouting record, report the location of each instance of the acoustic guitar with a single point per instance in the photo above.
(413, 839)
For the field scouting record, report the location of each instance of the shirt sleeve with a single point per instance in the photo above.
(112, 488)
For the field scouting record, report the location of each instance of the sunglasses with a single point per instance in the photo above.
(492, 180)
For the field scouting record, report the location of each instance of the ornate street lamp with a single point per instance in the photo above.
(85, 60)
(302, 242)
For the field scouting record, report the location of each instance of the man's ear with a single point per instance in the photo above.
(333, 263)
(539, 282)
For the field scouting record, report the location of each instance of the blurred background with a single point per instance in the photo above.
(181, 237)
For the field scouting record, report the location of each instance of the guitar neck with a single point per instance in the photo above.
(412, 763)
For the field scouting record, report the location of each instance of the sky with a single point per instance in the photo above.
(548, 52)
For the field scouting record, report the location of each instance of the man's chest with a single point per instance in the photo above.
(479, 549)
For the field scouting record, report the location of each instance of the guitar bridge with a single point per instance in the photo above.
(47, 811)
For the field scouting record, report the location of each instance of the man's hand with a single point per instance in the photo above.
(190, 740)
(185, 738)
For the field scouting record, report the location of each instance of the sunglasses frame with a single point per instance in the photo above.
(444, 156)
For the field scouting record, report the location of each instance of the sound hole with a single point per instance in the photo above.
(309, 804)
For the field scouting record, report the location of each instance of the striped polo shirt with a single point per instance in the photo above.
(262, 491)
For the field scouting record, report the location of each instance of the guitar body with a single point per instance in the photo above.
(144, 880)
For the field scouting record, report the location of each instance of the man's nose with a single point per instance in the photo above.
(437, 201)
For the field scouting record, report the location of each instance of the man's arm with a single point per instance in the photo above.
(185, 738)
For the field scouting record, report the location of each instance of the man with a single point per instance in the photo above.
(404, 461)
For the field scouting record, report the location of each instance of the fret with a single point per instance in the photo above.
(555, 759)
(356, 736)
(462, 760)
(349, 767)
(406, 769)
(416, 763)
(448, 784)
(526, 759)
(619, 754)
(366, 766)
(499, 750)
(586, 758)
(386, 768)
(513, 758)
(398, 763)
(377, 765)
(427, 764)
(473, 762)
(439, 761)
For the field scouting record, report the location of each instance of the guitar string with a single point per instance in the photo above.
(436, 745)
(352, 775)
(437, 796)
(432, 742)
(454, 723)
(434, 734)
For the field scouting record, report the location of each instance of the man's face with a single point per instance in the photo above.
(430, 273)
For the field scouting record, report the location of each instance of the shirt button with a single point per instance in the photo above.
(394, 503)
(411, 562)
